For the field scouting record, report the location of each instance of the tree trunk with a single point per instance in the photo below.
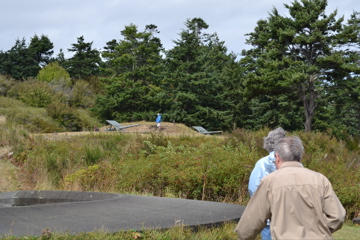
(308, 96)
(308, 121)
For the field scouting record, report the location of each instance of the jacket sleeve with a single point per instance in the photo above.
(333, 209)
(256, 213)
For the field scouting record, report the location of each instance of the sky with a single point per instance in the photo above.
(101, 21)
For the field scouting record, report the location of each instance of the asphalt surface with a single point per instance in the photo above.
(27, 213)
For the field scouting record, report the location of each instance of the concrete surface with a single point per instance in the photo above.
(26, 213)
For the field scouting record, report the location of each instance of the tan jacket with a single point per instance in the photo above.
(300, 203)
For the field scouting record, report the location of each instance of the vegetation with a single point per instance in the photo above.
(198, 167)
(300, 55)
(301, 73)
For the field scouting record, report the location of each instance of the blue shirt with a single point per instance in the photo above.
(158, 119)
(263, 167)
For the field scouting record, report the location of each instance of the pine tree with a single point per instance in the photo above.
(300, 54)
(132, 68)
(85, 62)
(196, 82)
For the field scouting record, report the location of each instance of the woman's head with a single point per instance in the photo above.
(272, 138)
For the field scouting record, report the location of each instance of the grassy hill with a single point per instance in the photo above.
(174, 161)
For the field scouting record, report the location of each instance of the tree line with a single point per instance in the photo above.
(301, 72)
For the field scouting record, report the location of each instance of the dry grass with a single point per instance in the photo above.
(7, 171)
(2, 119)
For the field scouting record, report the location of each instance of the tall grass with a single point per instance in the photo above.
(203, 168)
(198, 167)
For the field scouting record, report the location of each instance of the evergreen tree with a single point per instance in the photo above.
(41, 49)
(22, 61)
(343, 109)
(16, 61)
(195, 85)
(133, 66)
(85, 62)
(300, 54)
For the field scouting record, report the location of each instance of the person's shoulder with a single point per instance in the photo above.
(264, 159)
(318, 174)
(270, 176)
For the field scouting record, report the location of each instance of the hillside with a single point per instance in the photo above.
(167, 129)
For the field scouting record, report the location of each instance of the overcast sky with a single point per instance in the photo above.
(100, 21)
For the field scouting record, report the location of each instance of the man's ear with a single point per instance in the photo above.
(277, 161)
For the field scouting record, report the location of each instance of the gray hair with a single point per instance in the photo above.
(290, 149)
(272, 138)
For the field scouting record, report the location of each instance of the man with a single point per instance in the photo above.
(263, 167)
(300, 202)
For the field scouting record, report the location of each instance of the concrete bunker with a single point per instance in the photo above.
(27, 198)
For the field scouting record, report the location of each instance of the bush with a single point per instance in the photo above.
(82, 95)
(70, 118)
(31, 119)
(6, 84)
(34, 93)
(207, 168)
(53, 72)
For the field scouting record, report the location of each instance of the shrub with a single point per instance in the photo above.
(53, 72)
(34, 93)
(65, 116)
(6, 84)
(82, 95)
(31, 119)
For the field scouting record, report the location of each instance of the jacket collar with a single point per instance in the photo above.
(291, 164)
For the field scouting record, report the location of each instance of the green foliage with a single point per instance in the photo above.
(53, 170)
(53, 72)
(85, 61)
(82, 95)
(31, 119)
(55, 118)
(93, 154)
(197, 90)
(22, 61)
(215, 169)
(132, 69)
(17, 62)
(6, 83)
(34, 93)
(70, 118)
(11, 133)
(301, 56)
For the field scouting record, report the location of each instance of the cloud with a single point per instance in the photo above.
(63, 21)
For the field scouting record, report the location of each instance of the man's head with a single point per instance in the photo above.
(272, 138)
(288, 149)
